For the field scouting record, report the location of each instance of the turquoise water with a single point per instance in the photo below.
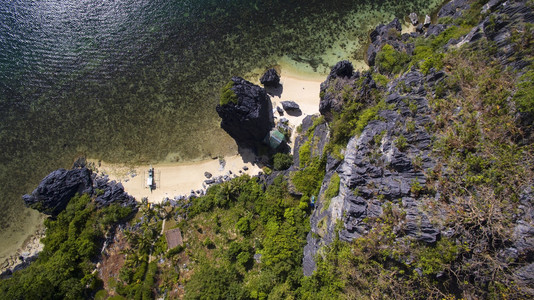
(137, 80)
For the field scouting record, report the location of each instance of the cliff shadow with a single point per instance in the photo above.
(275, 90)
(248, 154)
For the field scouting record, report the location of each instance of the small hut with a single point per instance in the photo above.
(174, 238)
(275, 139)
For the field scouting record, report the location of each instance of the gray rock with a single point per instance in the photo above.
(57, 188)
(427, 21)
(250, 120)
(270, 78)
(290, 105)
(526, 275)
(453, 9)
(343, 69)
(414, 19)
(280, 110)
(208, 175)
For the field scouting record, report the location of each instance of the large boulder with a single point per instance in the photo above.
(270, 78)
(290, 105)
(55, 190)
(342, 69)
(250, 119)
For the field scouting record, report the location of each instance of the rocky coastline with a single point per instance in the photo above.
(386, 179)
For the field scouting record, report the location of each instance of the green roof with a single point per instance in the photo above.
(275, 138)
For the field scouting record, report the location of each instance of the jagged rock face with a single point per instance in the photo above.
(389, 34)
(453, 9)
(57, 188)
(111, 192)
(270, 78)
(342, 69)
(250, 120)
(377, 169)
(331, 102)
(320, 137)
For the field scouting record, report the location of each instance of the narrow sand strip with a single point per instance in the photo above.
(173, 179)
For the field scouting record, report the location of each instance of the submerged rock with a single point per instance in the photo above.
(250, 120)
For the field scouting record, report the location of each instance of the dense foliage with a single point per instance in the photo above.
(227, 94)
(64, 269)
(257, 238)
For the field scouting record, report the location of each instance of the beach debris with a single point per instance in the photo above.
(270, 78)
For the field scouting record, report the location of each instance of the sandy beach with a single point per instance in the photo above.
(174, 179)
(179, 179)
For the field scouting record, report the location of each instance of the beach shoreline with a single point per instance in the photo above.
(182, 178)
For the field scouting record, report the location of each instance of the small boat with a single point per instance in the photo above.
(150, 179)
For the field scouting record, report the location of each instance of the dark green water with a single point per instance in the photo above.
(137, 80)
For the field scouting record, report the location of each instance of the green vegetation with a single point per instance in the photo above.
(269, 223)
(331, 191)
(64, 267)
(227, 94)
(308, 180)
(355, 116)
(282, 161)
(524, 96)
(391, 61)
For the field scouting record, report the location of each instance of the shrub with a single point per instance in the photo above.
(304, 154)
(331, 191)
(401, 143)
(390, 60)
(227, 94)
(243, 226)
(282, 161)
(524, 97)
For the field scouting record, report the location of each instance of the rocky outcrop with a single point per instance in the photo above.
(290, 106)
(111, 192)
(250, 120)
(332, 99)
(270, 78)
(318, 137)
(57, 188)
(380, 36)
(453, 9)
(342, 69)
(378, 168)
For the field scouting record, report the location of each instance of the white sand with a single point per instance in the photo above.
(303, 91)
(175, 179)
